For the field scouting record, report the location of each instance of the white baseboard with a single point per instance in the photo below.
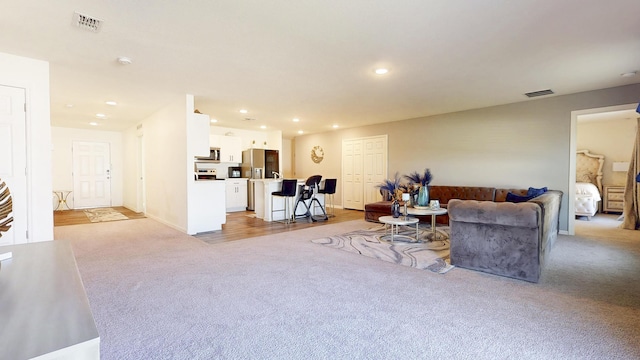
(166, 223)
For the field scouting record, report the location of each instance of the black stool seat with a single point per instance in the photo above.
(328, 190)
(287, 191)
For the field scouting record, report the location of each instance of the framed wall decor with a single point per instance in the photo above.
(317, 154)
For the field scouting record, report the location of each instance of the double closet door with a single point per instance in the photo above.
(364, 166)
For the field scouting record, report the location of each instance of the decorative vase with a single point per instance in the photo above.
(395, 209)
(414, 198)
(423, 196)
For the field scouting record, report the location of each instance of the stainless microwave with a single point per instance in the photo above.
(214, 155)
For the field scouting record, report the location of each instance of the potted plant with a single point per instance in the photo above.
(420, 186)
(392, 188)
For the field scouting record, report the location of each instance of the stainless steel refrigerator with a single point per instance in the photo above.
(258, 164)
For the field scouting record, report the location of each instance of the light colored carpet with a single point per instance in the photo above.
(156, 293)
(104, 214)
(375, 242)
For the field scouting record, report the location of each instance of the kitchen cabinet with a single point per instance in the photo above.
(230, 147)
(197, 135)
(236, 194)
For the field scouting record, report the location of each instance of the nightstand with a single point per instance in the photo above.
(613, 198)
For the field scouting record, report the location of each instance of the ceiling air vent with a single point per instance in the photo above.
(86, 22)
(539, 93)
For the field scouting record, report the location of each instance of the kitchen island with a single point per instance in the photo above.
(263, 198)
(206, 207)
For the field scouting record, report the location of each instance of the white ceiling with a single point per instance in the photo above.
(314, 59)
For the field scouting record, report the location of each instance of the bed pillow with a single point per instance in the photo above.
(511, 197)
(588, 178)
(536, 192)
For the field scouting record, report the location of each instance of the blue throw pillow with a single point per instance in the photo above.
(536, 192)
(511, 197)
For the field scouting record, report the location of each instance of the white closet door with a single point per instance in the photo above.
(375, 167)
(364, 166)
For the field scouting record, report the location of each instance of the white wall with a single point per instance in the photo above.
(165, 142)
(62, 159)
(33, 76)
(130, 169)
(511, 146)
(612, 138)
(286, 159)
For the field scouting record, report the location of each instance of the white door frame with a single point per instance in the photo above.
(141, 199)
(13, 143)
(571, 197)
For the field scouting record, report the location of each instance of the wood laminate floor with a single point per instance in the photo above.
(244, 224)
(240, 225)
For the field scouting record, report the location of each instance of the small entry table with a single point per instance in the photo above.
(62, 199)
(399, 221)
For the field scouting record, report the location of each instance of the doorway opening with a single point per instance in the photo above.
(611, 113)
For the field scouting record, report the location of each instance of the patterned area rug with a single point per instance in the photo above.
(404, 250)
(104, 214)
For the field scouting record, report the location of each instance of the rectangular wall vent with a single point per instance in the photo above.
(86, 22)
(539, 93)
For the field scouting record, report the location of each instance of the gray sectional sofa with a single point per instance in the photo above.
(504, 238)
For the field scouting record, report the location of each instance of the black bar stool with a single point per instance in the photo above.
(328, 190)
(287, 191)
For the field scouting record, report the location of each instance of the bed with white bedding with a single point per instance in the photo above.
(588, 183)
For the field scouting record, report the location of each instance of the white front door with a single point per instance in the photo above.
(91, 174)
(13, 166)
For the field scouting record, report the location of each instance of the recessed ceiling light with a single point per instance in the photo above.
(300, 131)
(335, 126)
(101, 116)
(93, 123)
(214, 120)
(244, 111)
(296, 119)
(629, 74)
(69, 105)
(381, 71)
(263, 126)
(111, 103)
(123, 60)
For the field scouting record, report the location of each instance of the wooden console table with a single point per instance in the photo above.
(44, 310)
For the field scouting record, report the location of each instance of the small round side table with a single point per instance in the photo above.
(399, 221)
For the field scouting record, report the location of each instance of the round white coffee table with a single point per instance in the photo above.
(428, 211)
(399, 221)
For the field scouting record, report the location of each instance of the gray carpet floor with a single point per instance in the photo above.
(156, 293)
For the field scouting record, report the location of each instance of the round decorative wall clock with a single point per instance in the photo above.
(317, 154)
